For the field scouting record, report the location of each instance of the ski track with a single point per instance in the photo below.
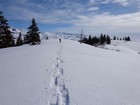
(58, 93)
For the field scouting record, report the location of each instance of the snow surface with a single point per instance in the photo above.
(70, 73)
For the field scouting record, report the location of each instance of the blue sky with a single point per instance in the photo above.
(94, 16)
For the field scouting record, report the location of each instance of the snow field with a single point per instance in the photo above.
(70, 73)
(24, 75)
(102, 77)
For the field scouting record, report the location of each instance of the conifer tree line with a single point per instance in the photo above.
(124, 38)
(7, 40)
(94, 40)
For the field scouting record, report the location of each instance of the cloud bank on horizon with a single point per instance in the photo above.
(94, 16)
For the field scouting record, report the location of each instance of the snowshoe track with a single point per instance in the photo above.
(59, 94)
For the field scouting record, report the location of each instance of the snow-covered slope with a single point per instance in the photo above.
(124, 46)
(102, 77)
(69, 73)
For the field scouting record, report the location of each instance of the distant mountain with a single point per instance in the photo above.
(70, 36)
(16, 32)
(57, 35)
(44, 35)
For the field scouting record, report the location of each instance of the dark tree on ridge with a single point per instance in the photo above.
(32, 37)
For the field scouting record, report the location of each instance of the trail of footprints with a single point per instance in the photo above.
(59, 94)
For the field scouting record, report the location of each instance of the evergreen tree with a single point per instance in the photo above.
(125, 38)
(19, 40)
(84, 40)
(47, 37)
(128, 38)
(81, 35)
(108, 40)
(6, 38)
(102, 39)
(89, 40)
(32, 37)
(114, 38)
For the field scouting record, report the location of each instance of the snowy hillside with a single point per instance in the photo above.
(70, 73)
(124, 46)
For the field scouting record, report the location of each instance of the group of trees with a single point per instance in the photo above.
(103, 39)
(124, 38)
(7, 40)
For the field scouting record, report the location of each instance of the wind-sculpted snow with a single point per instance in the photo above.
(59, 94)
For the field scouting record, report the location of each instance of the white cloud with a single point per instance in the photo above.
(122, 2)
(107, 23)
(93, 8)
(105, 2)
(78, 15)
(124, 24)
(92, 0)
